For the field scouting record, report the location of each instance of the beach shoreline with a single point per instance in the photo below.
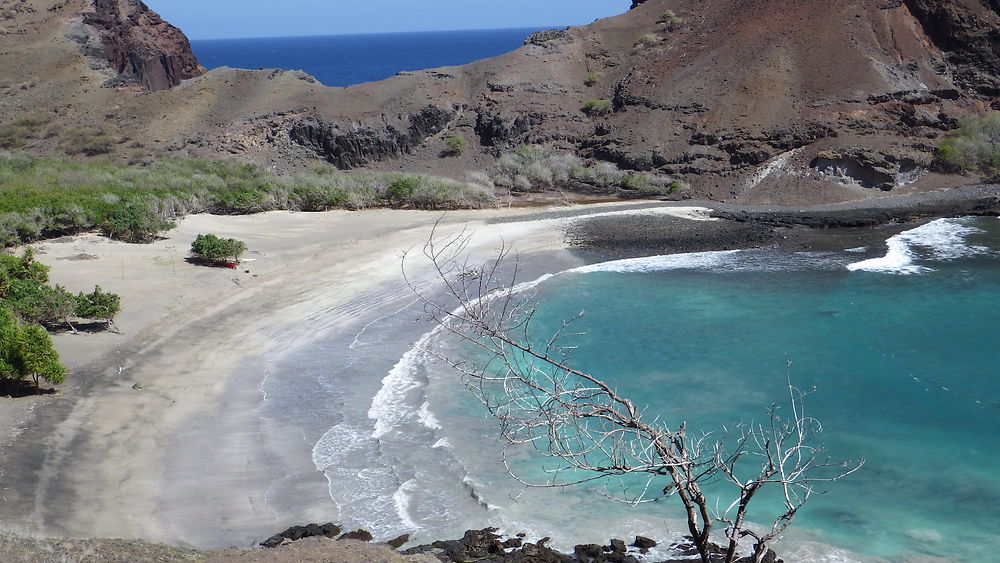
(155, 434)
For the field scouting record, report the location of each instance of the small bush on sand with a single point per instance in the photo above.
(597, 107)
(592, 78)
(974, 147)
(214, 248)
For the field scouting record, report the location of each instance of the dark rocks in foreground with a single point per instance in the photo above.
(488, 546)
(298, 532)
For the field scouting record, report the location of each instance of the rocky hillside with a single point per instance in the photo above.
(770, 101)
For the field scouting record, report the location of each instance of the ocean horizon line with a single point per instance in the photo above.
(375, 33)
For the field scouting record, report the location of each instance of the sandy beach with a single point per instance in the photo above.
(163, 431)
(153, 435)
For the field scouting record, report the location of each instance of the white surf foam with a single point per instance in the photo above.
(939, 240)
(691, 261)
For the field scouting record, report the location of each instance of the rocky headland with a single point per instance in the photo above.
(751, 102)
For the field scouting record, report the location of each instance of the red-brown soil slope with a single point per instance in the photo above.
(746, 100)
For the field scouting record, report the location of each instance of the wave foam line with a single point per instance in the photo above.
(689, 261)
(944, 239)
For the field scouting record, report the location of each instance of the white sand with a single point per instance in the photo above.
(94, 462)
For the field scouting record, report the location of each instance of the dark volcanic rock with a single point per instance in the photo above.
(396, 543)
(495, 130)
(969, 34)
(140, 46)
(359, 535)
(643, 542)
(349, 147)
(295, 533)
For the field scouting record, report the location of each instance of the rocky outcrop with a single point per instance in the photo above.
(871, 168)
(139, 46)
(357, 145)
(968, 32)
(295, 533)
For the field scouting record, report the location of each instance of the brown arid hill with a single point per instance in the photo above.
(764, 101)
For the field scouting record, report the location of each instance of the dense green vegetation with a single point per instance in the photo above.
(42, 197)
(975, 146)
(212, 247)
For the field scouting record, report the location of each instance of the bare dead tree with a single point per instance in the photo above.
(539, 399)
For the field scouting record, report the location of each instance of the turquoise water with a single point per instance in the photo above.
(902, 351)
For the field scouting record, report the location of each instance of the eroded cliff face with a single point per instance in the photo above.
(967, 32)
(139, 45)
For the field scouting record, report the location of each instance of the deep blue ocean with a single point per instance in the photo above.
(342, 60)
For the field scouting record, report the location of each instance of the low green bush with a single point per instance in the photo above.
(135, 221)
(454, 146)
(27, 352)
(99, 305)
(669, 17)
(974, 146)
(597, 107)
(593, 78)
(26, 293)
(212, 247)
(646, 39)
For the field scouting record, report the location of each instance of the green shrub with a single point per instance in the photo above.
(597, 107)
(646, 39)
(25, 292)
(975, 146)
(242, 202)
(135, 221)
(27, 352)
(212, 247)
(669, 17)
(454, 146)
(98, 305)
(593, 78)
(403, 188)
